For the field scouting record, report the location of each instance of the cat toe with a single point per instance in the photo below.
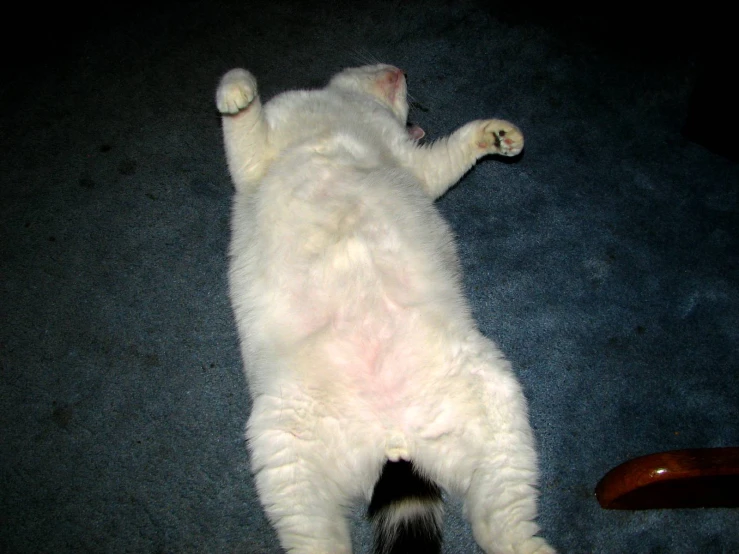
(237, 90)
(501, 137)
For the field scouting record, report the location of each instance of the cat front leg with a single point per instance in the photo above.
(245, 130)
(441, 164)
(497, 136)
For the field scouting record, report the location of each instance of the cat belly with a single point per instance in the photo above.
(338, 259)
(354, 300)
(384, 369)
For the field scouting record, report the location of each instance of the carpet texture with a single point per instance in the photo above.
(603, 260)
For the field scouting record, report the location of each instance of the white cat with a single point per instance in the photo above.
(360, 351)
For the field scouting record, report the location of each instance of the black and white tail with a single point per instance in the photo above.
(406, 510)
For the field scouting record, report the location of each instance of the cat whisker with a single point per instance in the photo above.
(364, 57)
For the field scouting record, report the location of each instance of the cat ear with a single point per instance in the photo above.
(416, 132)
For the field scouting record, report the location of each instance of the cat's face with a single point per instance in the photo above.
(384, 82)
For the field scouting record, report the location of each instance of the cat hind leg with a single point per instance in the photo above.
(307, 471)
(493, 464)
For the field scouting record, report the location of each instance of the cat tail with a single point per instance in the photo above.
(406, 510)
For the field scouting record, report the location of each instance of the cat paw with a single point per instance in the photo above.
(500, 137)
(537, 545)
(236, 91)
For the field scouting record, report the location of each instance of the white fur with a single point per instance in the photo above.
(357, 342)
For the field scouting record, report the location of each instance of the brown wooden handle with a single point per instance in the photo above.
(697, 478)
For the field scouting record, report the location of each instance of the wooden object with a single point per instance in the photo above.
(700, 478)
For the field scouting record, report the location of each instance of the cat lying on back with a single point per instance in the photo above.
(368, 376)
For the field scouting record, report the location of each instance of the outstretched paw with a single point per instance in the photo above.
(500, 137)
(236, 91)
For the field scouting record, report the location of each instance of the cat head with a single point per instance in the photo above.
(383, 82)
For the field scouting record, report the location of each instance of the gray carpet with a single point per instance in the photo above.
(603, 261)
